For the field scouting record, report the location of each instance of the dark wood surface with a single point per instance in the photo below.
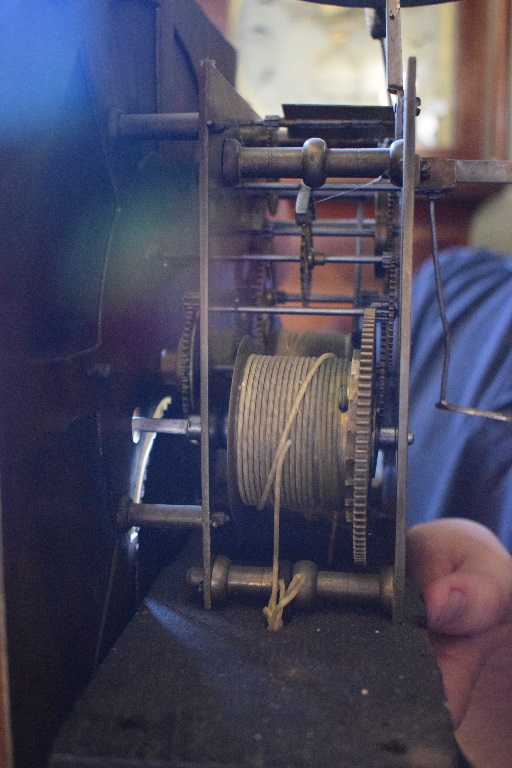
(188, 687)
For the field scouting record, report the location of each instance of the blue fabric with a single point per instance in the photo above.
(461, 465)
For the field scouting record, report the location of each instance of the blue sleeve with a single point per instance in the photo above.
(461, 465)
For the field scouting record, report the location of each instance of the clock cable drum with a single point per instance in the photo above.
(266, 389)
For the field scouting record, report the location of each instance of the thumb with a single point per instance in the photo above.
(464, 574)
(464, 612)
(465, 603)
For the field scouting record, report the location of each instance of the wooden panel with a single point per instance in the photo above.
(482, 77)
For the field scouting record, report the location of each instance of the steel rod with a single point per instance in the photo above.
(344, 588)
(323, 228)
(337, 311)
(314, 162)
(136, 515)
(164, 515)
(166, 126)
(290, 189)
(325, 258)
(165, 426)
(324, 298)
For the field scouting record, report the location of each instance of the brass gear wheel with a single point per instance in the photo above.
(186, 353)
(306, 263)
(387, 326)
(364, 436)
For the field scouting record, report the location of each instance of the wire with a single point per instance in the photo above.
(106, 603)
(349, 191)
(443, 404)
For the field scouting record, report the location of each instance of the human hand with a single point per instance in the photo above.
(465, 576)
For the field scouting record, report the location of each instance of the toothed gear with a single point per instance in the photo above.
(186, 351)
(251, 289)
(365, 424)
(387, 210)
(386, 341)
(263, 323)
(306, 263)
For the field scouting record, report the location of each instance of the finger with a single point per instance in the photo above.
(464, 573)
(460, 662)
(441, 547)
(465, 603)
